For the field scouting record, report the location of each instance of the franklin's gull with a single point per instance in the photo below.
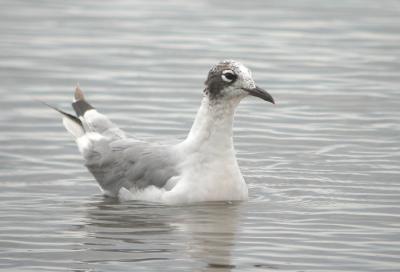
(203, 167)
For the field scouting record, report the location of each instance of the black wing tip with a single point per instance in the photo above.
(80, 105)
(66, 114)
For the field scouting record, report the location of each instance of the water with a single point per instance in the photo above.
(322, 165)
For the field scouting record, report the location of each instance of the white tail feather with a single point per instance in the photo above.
(75, 129)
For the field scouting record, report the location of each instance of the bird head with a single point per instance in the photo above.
(230, 79)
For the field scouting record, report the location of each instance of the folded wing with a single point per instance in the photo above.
(131, 164)
(115, 160)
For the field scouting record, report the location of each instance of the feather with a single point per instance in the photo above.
(71, 123)
(129, 163)
(80, 105)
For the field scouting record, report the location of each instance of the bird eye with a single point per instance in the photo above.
(228, 76)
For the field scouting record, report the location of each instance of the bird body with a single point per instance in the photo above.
(203, 167)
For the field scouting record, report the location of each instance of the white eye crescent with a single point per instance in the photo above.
(228, 76)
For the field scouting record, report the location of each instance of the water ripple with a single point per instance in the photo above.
(322, 164)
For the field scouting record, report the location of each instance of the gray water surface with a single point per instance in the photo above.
(323, 164)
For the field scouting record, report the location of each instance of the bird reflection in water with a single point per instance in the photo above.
(199, 236)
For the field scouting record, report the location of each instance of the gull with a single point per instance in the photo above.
(203, 167)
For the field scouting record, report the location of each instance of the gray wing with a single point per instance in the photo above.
(116, 161)
(130, 163)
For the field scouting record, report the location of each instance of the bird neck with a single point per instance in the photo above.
(213, 124)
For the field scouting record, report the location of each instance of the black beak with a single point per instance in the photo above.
(258, 92)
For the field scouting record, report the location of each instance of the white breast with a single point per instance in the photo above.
(208, 174)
